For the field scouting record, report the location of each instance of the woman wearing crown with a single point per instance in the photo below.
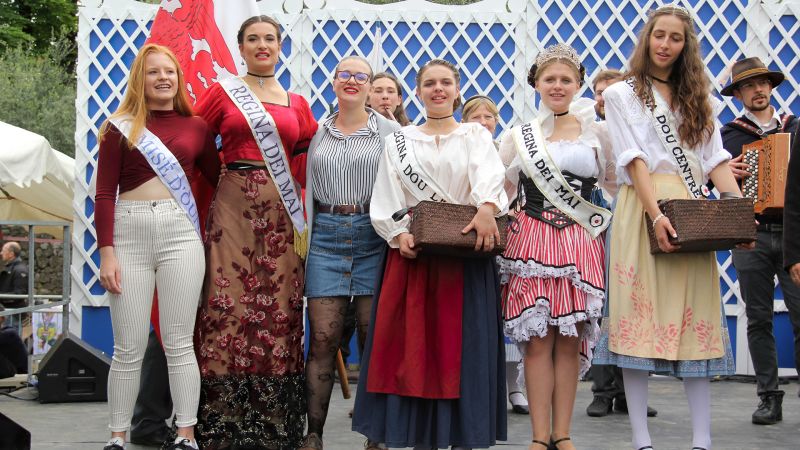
(553, 267)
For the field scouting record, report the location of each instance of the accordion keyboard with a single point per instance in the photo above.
(750, 183)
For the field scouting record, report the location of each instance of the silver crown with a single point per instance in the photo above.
(672, 8)
(559, 51)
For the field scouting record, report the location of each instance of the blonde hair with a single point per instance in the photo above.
(475, 102)
(134, 104)
(606, 75)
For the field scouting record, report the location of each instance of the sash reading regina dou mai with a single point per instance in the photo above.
(540, 168)
(688, 164)
(413, 176)
(166, 166)
(269, 142)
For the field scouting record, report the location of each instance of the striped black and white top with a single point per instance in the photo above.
(344, 167)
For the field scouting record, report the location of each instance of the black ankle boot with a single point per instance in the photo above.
(769, 410)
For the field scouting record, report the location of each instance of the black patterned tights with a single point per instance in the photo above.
(326, 317)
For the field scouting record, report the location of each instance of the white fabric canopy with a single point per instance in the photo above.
(35, 180)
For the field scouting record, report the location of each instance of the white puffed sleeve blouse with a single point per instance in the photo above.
(587, 156)
(633, 136)
(464, 163)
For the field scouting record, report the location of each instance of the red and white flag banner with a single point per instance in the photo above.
(202, 34)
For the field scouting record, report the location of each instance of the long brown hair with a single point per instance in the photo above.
(688, 82)
(399, 112)
(134, 104)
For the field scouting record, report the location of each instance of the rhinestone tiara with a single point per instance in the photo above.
(559, 51)
(672, 7)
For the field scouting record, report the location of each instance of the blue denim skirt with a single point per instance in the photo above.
(343, 257)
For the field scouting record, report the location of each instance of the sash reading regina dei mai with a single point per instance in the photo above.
(269, 142)
(688, 163)
(413, 176)
(166, 166)
(540, 168)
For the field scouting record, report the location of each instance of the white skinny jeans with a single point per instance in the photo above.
(157, 247)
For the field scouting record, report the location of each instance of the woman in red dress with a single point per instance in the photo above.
(251, 320)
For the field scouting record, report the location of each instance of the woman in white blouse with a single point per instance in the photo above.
(552, 269)
(432, 374)
(664, 310)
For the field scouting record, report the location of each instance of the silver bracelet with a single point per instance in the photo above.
(658, 217)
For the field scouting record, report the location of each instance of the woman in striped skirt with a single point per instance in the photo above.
(345, 250)
(483, 110)
(552, 269)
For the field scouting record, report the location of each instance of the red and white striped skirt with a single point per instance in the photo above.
(552, 277)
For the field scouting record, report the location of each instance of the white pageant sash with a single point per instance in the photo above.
(166, 166)
(413, 176)
(689, 168)
(269, 142)
(541, 169)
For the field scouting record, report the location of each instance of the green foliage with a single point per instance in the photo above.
(34, 22)
(38, 94)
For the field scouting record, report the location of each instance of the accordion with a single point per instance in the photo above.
(768, 161)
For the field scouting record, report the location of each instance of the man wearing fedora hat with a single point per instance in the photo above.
(752, 84)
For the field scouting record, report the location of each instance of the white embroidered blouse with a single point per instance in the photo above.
(588, 156)
(464, 163)
(633, 136)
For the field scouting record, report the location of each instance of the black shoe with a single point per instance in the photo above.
(113, 447)
(183, 444)
(520, 409)
(154, 439)
(600, 407)
(769, 410)
(621, 406)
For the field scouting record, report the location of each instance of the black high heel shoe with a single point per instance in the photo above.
(542, 443)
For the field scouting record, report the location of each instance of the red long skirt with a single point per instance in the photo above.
(417, 341)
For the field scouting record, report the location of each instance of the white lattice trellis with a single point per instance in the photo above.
(492, 42)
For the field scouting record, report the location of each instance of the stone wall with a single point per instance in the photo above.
(48, 258)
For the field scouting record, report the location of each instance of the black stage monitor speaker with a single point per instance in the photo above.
(73, 371)
(12, 435)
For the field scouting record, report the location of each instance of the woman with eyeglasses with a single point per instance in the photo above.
(250, 327)
(345, 250)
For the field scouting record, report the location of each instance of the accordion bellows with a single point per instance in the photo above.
(707, 225)
(437, 226)
(768, 161)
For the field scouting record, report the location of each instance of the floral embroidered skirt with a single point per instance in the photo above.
(664, 311)
(250, 325)
(552, 278)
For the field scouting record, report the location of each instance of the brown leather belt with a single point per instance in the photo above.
(342, 209)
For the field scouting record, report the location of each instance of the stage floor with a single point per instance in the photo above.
(78, 426)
